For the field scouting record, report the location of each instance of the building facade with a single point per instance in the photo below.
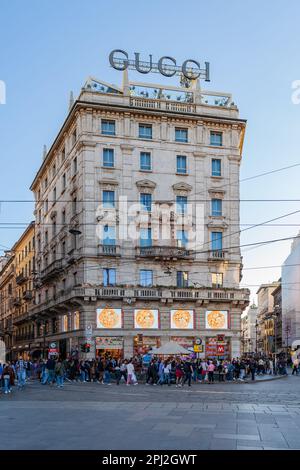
(127, 165)
(7, 291)
(266, 318)
(248, 329)
(290, 275)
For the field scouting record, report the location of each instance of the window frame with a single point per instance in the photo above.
(108, 121)
(110, 163)
(180, 129)
(144, 136)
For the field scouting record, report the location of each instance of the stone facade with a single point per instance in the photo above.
(75, 179)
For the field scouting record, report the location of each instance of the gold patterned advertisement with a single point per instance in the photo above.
(145, 318)
(216, 319)
(182, 319)
(109, 318)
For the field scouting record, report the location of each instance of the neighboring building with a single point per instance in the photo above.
(290, 276)
(7, 296)
(265, 318)
(153, 144)
(248, 329)
(277, 294)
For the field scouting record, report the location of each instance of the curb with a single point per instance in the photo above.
(266, 380)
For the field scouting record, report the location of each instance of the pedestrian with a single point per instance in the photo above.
(59, 373)
(210, 370)
(50, 365)
(221, 371)
(130, 372)
(167, 373)
(107, 371)
(21, 373)
(188, 370)
(7, 377)
(179, 374)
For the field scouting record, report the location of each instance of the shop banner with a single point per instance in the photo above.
(109, 318)
(146, 319)
(182, 319)
(109, 342)
(216, 319)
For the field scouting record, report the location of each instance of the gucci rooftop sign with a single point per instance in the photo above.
(166, 65)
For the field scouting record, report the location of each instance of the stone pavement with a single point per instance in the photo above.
(92, 416)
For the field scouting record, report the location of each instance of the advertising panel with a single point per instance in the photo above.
(182, 319)
(216, 319)
(146, 319)
(109, 318)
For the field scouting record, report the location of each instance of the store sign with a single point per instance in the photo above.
(166, 65)
(109, 342)
(198, 348)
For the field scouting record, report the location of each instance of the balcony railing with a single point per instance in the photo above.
(165, 252)
(217, 254)
(27, 295)
(52, 270)
(20, 279)
(17, 301)
(109, 250)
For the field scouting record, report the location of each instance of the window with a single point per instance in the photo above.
(53, 228)
(63, 217)
(108, 127)
(216, 138)
(181, 238)
(63, 249)
(46, 183)
(46, 237)
(145, 237)
(145, 131)
(109, 235)
(54, 195)
(53, 170)
(64, 181)
(65, 323)
(181, 164)
(146, 278)
(75, 166)
(146, 201)
(216, 167)
(74, 137)
(181, 135)
(216, 207)
(46, 205)
(74, 206)
(145, 161)
(108, 199)
(216, 241)
(63, 154)
(217, 280)
(108, 158)
(181, 204)
(109, 277)
(182, 279)
(76, 321)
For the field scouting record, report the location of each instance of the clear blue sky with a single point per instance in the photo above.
(49, 47)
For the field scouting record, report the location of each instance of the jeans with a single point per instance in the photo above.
(167, 378)
(82, 376)
(44, 378)
(21, 378)
(242, 374)
(51, 376)
(106, 377)
(188, 376)
(7, 386)
(60, 380)
(210, 376)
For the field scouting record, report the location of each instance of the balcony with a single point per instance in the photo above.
(52, 270)
(220, 255)
(27, 295)
(20, 279)
(109, 250)
(17, 302)
(163, 252)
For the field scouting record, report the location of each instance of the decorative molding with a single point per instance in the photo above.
(181, 189)
(217, 193)
(146, 186)
(126, 148)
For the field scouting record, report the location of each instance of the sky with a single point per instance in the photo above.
(50, 47)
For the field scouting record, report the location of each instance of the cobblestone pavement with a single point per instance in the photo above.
(263, 415)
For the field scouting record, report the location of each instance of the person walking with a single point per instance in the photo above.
(59, 374)
(21, 373)
(221, 371)
(7, 377)
(210, 370)
(167, 373)
(252, 367)
(188, 370)
(107, 370)
(179, 374)
(130, 372)
(50, 365)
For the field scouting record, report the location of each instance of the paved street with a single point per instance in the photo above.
(262, 415)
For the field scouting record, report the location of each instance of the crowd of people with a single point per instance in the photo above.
(158, 371)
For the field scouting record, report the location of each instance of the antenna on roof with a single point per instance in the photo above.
(71, 100)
